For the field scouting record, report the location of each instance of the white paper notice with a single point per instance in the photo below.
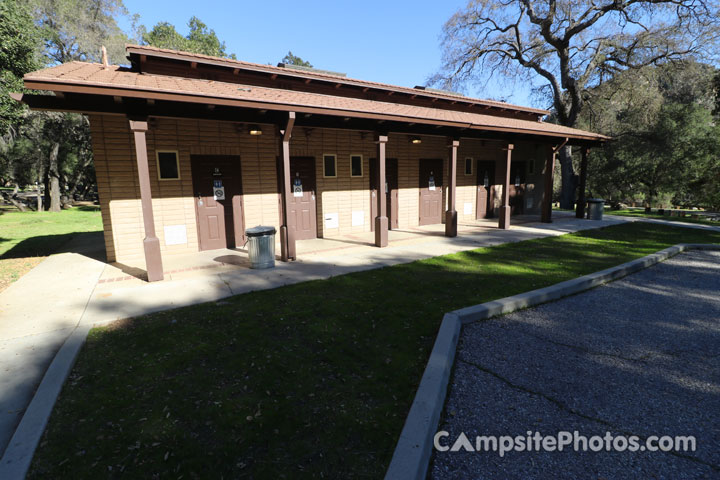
(331, 220)
(175, 235)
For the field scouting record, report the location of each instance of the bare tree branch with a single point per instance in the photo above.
(573, 46)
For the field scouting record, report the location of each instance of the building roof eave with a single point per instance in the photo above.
(88, 88)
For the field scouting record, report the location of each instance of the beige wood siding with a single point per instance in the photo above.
(409, 156)
(174, 200)
(343, 194)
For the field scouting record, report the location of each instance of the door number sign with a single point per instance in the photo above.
(218, 190)
(297, 187)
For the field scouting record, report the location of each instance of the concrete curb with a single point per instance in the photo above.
(19, 452)
(413, 451)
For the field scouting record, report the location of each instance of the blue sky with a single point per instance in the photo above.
(391, 41)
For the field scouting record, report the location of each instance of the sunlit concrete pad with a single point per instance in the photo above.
(214, 274)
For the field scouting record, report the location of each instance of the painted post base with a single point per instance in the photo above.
(287, 244)
(381, 232)
(451, 223)
(283, 243)
(504, 218)
(153, 259)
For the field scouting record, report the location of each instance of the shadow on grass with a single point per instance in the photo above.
(90, 244)
(88, 208)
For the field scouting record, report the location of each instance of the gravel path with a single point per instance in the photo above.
(639, 356)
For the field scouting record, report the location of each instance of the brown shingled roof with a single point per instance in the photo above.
(324, 75)
(114, 80)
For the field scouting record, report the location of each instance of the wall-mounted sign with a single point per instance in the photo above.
(175, 234)
(331, 220)
(297, 187)
(358, 218)
(431, 182)
(216, 172)
(219, 193)
(217, 183)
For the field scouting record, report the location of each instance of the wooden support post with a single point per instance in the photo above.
(451, 214)
(151, 244)
(287, 232)
(580, 207)
(381, 221)
(504, 220)
(546, 208)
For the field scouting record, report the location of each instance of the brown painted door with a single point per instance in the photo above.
(485, 192)
(391, 191)
(302, 215)
(220, 221)
(431, 190)
(517, 187)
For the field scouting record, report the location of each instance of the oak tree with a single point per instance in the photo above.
(200, 39)
(572, 46)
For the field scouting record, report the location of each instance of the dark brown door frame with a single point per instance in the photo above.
(292, 223)
(438, 169)
(518, 174)
(234, 199)
(482, 167)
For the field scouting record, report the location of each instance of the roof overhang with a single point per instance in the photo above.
(81, 98)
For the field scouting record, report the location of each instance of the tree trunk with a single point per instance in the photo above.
(10, 198)
(85, 191)
(39, 197)
(80, 175)
(54, 179)
(569, 179)
(651, 196)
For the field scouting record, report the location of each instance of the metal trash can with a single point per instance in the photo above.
(595, 208)
(261, 246)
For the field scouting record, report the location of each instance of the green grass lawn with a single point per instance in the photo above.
(309, 380)
(27, 237)
(641, 213)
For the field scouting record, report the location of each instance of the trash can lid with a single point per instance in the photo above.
(595, 200)
(260, 231)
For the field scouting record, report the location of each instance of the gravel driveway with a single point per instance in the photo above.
(639, 356)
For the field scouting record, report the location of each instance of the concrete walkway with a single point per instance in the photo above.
(39, 311)
(120, 300)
